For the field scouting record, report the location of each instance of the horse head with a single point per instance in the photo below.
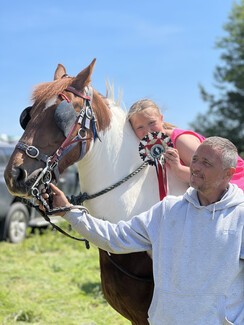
(60, 127)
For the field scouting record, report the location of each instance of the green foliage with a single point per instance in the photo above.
(51, 279)
(225, 116)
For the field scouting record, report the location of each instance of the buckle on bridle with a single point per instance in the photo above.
(82, 133)
(47, 177)
(35, 192)
(32, 152)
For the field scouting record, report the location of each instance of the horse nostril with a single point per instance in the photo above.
(19, 174)
(15, 178)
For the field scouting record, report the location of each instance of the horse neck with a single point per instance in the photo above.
(108, 162)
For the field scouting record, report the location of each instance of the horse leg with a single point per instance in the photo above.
(129, 296)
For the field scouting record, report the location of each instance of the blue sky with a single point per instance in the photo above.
(160, 49)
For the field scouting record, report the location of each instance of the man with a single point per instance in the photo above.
(197, 242)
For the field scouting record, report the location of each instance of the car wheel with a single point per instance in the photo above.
(2, 223)
(16, 223)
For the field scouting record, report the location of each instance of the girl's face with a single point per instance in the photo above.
(148, 120)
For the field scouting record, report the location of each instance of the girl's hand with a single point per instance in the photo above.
(172, 158)
(173, 162)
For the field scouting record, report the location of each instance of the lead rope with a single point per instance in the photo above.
(78, 200)
(75, 200)
(81, 197)
(50, 211)
(128, 273)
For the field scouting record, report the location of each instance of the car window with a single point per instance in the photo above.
(2, 158)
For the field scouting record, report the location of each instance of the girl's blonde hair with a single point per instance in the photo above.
(142, 104)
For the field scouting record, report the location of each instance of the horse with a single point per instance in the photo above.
(70, 122)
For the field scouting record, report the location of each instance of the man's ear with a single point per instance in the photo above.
(230, 172)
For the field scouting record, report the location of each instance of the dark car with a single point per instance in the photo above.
(15, 216)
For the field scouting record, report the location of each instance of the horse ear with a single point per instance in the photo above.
(59, 72)
(84, 77)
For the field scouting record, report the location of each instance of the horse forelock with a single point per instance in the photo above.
(47, 90)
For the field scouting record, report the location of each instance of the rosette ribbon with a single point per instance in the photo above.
(151, 149)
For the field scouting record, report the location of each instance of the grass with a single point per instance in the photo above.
(51, 279)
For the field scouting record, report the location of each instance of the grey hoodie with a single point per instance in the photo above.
(197, 252)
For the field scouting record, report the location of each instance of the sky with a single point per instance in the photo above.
(158, 49)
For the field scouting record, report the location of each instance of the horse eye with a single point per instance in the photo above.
(25, 117)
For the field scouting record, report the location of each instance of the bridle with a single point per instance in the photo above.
(85, 121)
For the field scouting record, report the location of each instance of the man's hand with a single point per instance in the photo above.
(58, 199)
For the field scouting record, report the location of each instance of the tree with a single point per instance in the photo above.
(225, 115)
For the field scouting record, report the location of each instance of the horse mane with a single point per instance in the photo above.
(110, 94)
(102, 106)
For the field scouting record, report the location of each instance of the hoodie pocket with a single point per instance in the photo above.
(177, 309)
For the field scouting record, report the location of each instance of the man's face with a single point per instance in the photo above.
(207, 172)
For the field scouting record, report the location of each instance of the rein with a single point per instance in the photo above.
(75, 201)
(81, 197)
(129, 274)
(55, 211)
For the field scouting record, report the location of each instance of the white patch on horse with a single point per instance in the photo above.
(50, 102)
(108, 162)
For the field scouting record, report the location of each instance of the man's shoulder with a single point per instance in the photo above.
(173, 200)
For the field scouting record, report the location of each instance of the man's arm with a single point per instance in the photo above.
(121, 238)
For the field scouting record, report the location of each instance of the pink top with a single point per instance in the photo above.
(237, 178)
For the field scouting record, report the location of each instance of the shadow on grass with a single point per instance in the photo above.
(93, 289)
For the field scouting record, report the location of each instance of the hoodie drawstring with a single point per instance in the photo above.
(213, 215)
